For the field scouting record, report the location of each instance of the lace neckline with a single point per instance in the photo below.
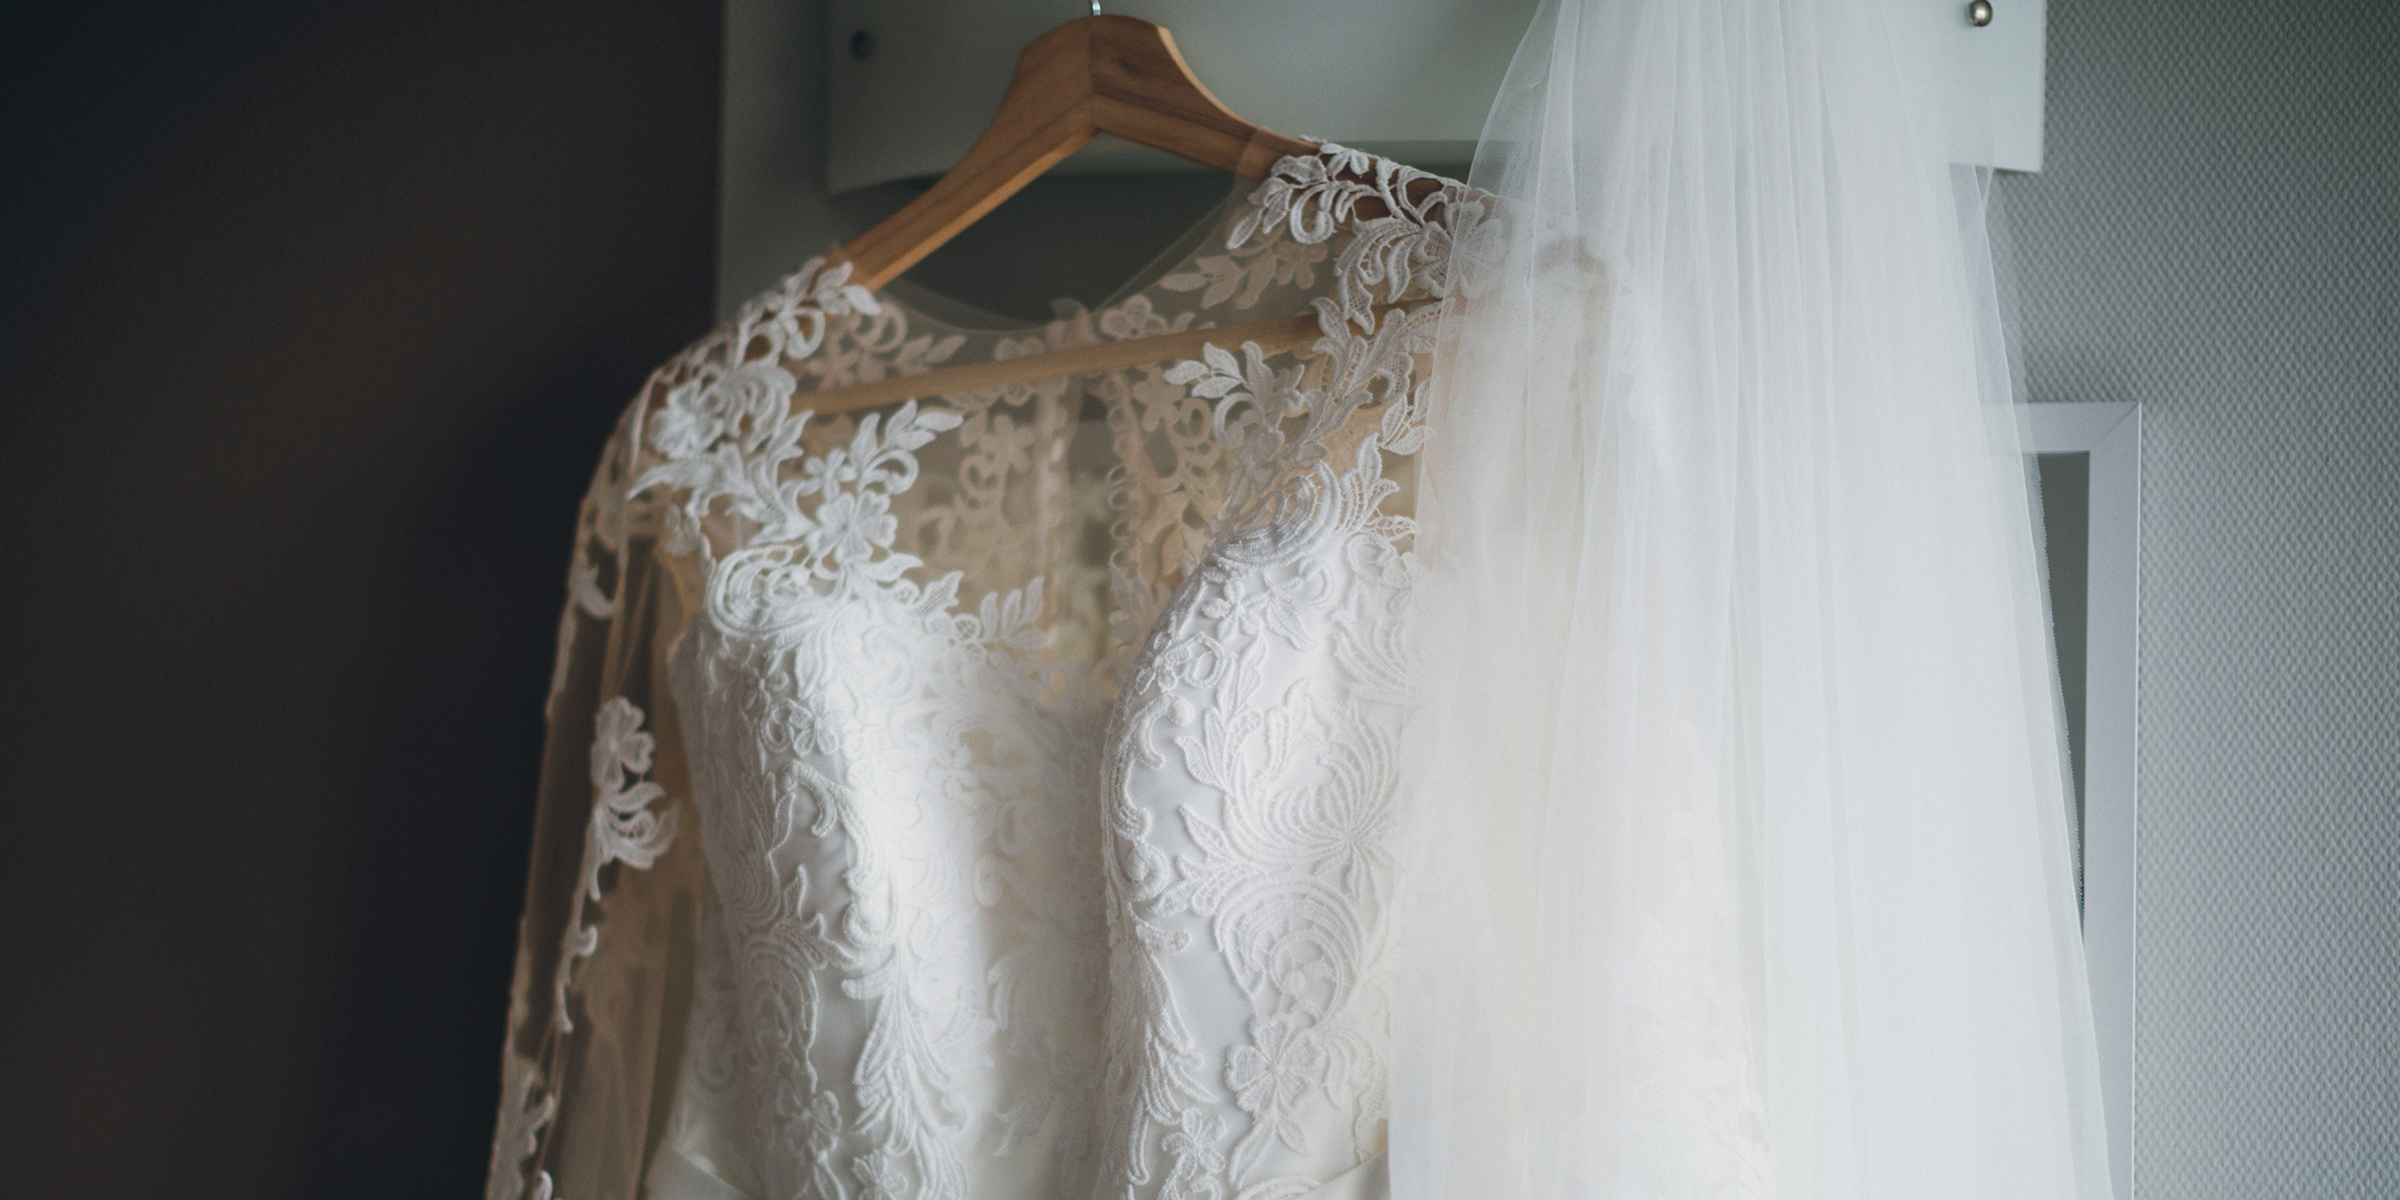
(1308, 200)
(728, 430)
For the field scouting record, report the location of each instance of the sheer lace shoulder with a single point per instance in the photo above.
(981, 797)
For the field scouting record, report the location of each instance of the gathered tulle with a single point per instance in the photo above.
(1735, 858)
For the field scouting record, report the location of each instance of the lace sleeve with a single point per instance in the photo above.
(612, 892)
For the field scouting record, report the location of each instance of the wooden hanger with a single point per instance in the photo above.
(1087, 77)
(1099, 74)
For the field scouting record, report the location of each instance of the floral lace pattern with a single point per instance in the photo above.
(1262, 718)
(1261, 715)
(1039, 738)
(623, 829)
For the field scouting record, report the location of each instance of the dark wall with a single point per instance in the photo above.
(316, 316)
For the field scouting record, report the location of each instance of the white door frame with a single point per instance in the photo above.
(2112, 435)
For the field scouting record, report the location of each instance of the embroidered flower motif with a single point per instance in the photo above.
(849, 530)
(837, 367)
(525, 1110)
(685, 426)
(851, 527)
(1270, 394)
(1245, 274)
(1462, 251)
(1272, 1074)
(1409, 246)
(880, 1173)
(793, 315)
(836, 295)
(796, 727)
(623, 828)
(1137, 318)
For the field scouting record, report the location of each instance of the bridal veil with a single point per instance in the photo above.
(1736, 859)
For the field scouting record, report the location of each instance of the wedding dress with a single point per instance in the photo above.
(991, 796)
(1161, 783)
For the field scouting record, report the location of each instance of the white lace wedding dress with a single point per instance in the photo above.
(990, 796)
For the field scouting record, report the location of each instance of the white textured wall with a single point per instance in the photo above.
(2216, 235)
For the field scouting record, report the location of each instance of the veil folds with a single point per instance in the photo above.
(1735, 848)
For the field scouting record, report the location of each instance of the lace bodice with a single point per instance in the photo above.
(988, 796)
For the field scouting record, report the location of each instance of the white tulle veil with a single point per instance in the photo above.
(1735, 854)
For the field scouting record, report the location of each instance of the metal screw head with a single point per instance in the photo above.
(1979, 14)
(862, 43)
